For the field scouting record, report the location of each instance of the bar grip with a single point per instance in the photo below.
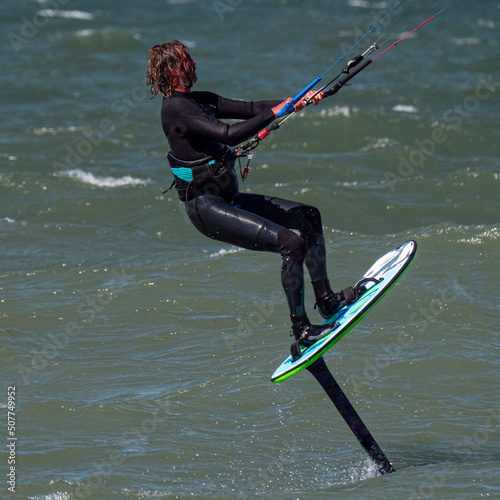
(346, 78)
(288, 108)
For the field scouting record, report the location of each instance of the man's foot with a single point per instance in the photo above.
(329, 304)
(305, 333)
(328, 301)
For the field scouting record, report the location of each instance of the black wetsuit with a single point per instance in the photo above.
(191, 122)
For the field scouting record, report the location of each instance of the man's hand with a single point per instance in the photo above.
(279, 106)
(315, 100)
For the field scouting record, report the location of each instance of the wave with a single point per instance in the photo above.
(469, 234)
(67, 14)
(8, 156)
(405, 108)
(57, 130)
(107, 33)
(53, 496)
(466, 41)
(379, 143)
(107, 182)
(223, 252)
(363, 4)
(344, 111)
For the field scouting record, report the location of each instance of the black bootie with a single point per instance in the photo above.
(327, 300)
(307, 334)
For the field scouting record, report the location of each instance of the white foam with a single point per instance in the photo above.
(337, 111)
(486, 23)
(109, 182)
(363, 4)
(379, 143)
(359, 3)
(8, 156)
(85, 33)
(466, 41)
(405, 108)
(56, 130)
(58, 495)
(67, 14)
(223, 252)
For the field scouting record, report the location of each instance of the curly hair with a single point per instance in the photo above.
(163, 61)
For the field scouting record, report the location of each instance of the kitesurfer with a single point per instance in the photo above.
(202, 160)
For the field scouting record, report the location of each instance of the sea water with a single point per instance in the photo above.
(136, 353)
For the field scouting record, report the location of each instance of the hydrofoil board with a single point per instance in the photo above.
(385, 274)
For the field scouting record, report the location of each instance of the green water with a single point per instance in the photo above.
(141, 351)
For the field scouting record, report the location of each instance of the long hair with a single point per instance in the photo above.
(163, 61)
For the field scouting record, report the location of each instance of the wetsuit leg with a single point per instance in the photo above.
(265, 223)
(228, 222)
(293, 215)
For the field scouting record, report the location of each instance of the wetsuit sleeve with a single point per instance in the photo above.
(228, 134)
(230, 108)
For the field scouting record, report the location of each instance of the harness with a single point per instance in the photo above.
(209, 174)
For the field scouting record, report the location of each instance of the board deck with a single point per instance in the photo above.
(388, 269)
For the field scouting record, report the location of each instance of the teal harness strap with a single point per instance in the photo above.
(184, 173)
(192, 177)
